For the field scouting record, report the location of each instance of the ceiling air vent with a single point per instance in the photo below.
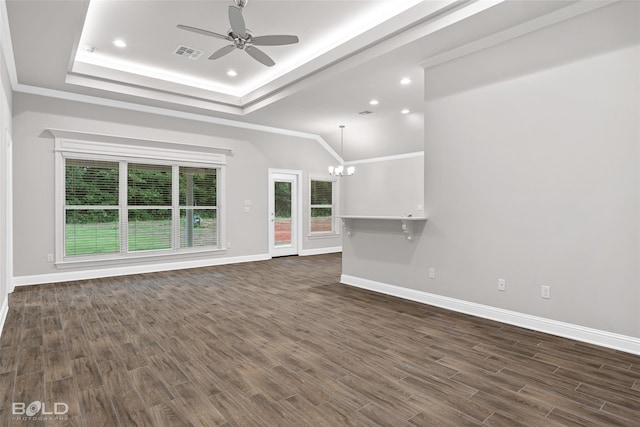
(365, 112)
(188, 52)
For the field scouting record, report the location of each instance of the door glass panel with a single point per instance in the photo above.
(282, 223)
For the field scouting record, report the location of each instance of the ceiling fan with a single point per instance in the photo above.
(241, 38)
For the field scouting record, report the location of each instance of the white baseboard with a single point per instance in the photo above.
(4, 310)
(67, 276)
(320, 251)
(554, 327)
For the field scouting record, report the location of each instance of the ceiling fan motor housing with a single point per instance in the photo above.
(241, 3)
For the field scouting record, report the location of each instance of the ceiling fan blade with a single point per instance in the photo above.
(222, 52)
(237, 21)
(274, 40)
(259, 56)
(205, 32)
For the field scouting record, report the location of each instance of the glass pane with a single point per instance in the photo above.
(321, 192)
(91, 183)
(321, 220)
(149, 229)
(91, 231)
(149, 185)
(198, 187)
(282, 221)
(198, 227)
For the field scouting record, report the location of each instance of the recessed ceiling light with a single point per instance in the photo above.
(378, 15)
(405, 81)
(120, 43)
(405, 111)
(373, 102)
(232, 73)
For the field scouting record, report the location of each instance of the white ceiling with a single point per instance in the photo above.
(349, 53)
(152, 42)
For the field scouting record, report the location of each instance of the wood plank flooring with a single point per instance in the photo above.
(282, 343)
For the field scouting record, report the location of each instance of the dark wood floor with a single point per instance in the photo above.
(281, 342)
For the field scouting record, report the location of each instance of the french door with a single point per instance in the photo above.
(284, 212)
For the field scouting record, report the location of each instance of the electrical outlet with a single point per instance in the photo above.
(432, 273)
(546, 292)
(49, 257)
(502, 285)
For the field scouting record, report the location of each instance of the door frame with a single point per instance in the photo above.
(295, 210)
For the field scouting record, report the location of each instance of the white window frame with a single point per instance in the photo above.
(335, 198)
(131, 150)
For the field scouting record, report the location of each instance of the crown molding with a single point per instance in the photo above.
(527, 27)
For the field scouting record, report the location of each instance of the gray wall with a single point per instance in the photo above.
(532, 174)
(390, 187)
(247, 172)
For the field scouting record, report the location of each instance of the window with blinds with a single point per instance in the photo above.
(91, 209)
(198, 207)
(149, 207)
(164, 208)
(322, 206)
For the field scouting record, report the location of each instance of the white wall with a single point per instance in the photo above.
(532, 174)
(253, 153)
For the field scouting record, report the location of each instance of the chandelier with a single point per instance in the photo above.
(340, 170)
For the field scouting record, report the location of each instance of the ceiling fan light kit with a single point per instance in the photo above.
(241, 38)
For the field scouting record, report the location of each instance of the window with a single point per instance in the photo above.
(198, 207)
(93, 221)
(322, 206)
(149, 207)
(115, 206)
(91, 211)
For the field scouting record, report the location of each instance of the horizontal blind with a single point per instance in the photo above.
(91, 207)
(204, 186)
(321, 208)
(91, 183)
(149, 229)
(149, 218)
(149, 198)
(321, 192)
(148, 185)
(198, 198)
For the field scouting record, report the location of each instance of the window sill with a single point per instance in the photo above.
(314, 236)
(129, 259)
